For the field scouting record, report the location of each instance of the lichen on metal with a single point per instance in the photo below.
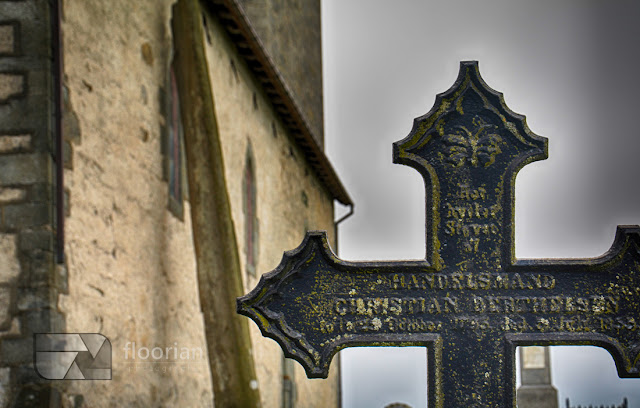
(470, 302)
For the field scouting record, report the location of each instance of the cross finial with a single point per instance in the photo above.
(469, 148)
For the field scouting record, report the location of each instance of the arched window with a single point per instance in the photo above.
(173, 146)
(289, 390)
(250, 213)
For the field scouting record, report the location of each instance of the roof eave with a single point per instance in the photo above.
(236, 23)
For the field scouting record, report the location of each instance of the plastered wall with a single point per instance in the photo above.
(131, 266)
(130, 261)
(290, 200)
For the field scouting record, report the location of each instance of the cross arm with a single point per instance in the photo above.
(314, 304)
(302, 303)
(597, 301)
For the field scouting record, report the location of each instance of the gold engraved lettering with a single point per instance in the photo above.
(433, 306)
(544, 304)
(361, 325)
(472, 322)
(341, 307)
(540, 305)
(395, 306)
(472, 245)
(455, 281)
(430, 280)
(470, 282)
(479, 305)
(410, 305)
(398, 281)
(509, 305)
(451, 304)
(502, 281)
(492, 305)
(582, 304)
(471, 211)
(508, 323)
(412, 325)
(542, 323)
(326, 327)
(483, 281)
(573, 324)
(414, 281)
(470, 219)
(555, 304)
(547, 281)
(517, 324)
(467, 193)
(456, 227)
(619, 323)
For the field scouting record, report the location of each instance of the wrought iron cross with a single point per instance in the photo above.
(470, 302)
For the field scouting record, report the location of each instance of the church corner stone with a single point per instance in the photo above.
(28, 294)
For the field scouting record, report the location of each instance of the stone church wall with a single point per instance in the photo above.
(131, 267)
(290, 200)
(130, 271)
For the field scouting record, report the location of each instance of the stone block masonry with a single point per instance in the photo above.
(28, 284)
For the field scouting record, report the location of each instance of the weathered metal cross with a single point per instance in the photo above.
(470, 302)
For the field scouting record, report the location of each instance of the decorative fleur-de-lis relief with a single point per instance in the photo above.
(478, 146)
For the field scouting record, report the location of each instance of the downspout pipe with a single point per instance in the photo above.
(339, 221)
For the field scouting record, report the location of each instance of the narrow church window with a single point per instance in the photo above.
(251, 219)
(174, 147)
(288, 383)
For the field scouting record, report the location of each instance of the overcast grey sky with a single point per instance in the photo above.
(569, 66)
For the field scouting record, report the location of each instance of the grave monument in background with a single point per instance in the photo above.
(536, 390)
